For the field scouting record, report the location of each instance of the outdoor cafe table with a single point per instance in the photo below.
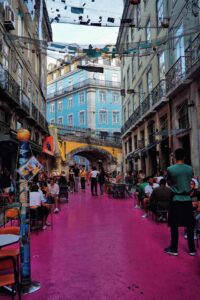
(8, 239)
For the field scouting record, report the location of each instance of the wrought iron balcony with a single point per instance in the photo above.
(146, 104)
(34, 112)
(9, 86)
(176, 74)
(192, 53)
(4, 128)
(25, 102)
(158, 92)
(90, 136)
(85, 84)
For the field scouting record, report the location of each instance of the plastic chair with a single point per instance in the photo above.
(12, 214)
(10, 275)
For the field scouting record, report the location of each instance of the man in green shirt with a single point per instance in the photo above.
(180, 208)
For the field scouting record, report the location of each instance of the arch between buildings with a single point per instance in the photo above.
(93, 155)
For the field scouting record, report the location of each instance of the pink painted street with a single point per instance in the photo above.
(101, 249)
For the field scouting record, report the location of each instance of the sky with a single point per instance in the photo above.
(79, 34)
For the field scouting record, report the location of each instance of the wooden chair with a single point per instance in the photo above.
(10, 274)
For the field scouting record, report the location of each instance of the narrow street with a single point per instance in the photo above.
(101, 249)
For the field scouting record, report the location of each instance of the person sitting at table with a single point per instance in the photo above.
(53, 193)
(195, 196)
(37, 201)
(161, 195)
(148, 191)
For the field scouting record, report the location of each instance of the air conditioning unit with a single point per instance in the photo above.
(9, 18)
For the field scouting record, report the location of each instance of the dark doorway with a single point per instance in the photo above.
(185, 141)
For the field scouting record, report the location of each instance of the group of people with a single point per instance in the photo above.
(44, 193)
(93, 176)
(177, 190)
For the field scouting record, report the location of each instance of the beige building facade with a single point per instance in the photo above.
(24, 32)
(158, 42)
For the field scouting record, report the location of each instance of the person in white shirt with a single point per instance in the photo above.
(94, 177)
(36, 200)
(53, 193)
(148, 191)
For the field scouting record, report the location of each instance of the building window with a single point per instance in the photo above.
(161, 65)
(133, 102)
(179, 42)
(133, 67)
(103, 116)
(52, 121)
(132, 34)
(81, 118)
(54, 75)
(114, 77)
(60, 120)
(160, 11)
(116, 117)
(101, 77)
(148, 32)
(62, 71)
(52, 107)
(81, 77)
(69, 102)
(60, 105)
(124, 114)
(183, 118)
(135, 142)
(29, 87)
(139, 58)
(129, 108)
(81, 98)
(70, 82)
(128, 77)
(141, 93)
(5, 59)
(138, 15)
(102, 96)
(115, 98)
(70, 120)
(149, 81)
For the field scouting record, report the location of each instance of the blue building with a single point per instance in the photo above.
(78, 98)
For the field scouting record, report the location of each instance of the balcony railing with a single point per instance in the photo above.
(192, 53)
(176, 74)
(158, 92)
(150, 101)
(85, 83)
(4, 127)
(34, 112)
(25, 102)
(91, 136)
(9, 86)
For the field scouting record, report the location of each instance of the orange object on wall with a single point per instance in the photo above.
(48, 146)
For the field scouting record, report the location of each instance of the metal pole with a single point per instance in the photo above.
(28, 286)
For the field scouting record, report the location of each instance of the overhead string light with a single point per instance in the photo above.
(142, 48)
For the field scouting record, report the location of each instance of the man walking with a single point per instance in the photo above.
(180, 207)
(76, 177)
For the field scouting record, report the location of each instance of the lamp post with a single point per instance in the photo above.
(28, 286)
